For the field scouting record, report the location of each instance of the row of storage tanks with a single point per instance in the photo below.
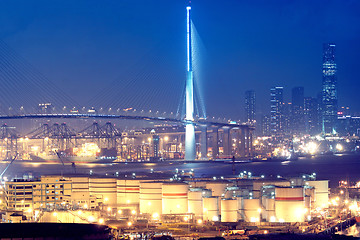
(226, 201)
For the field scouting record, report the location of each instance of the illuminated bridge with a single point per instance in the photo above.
(25, 93)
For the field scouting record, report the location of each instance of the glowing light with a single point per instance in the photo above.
(186, 219)
(339, 147)
(199, 221)
(133, 212)
(215, 218)
(129, 224)
(91, 219)
(272, 219)
(119, 211)
(101, 220)
(109, 209)
(155, 215)
(54, 214)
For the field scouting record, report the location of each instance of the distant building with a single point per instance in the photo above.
(276, 114)
(297, 111)
(265, 125)
(348, 126)
(311, 116)
(286, 118)
(250, 106)
(329, 90)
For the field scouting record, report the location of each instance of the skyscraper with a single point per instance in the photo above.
(297, 111)
(311, 116)
(276, 115)
(250, 107)
(329, 90)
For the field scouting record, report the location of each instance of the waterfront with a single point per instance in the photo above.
(333, 168)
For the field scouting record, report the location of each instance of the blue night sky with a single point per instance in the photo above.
(84, 46)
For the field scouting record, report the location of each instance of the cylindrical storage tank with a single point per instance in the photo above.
(269, 213)
(251, 210)
(270, 204)
(310, 191)
(321, 192)
(229, 210)
(151, 197)
(217, 188)
(290, 204)
(197, 184)
(308, 203)
(195, 201)
(240, 210)
(242, 192)
(231, 192)
(211, 208)
(128, 192)
(174, 198)
(105, 189)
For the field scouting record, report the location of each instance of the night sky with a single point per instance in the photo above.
(84, 46)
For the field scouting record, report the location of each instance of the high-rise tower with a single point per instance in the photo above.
(250, 107)
(329, 90)
(190, 146)
(276, 115)
(297, 111)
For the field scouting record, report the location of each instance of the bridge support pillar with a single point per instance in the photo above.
(190, 149)
(215, 143)
(203, 142)
(247, 147)
(251, 149)
(241, 142)
(226, 142)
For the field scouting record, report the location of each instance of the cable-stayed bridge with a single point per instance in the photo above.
(26, 93)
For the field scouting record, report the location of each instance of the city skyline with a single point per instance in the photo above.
(74, 43)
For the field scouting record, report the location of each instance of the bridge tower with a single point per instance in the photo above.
(190, 145)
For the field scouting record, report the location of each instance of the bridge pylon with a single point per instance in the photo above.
(190, 144)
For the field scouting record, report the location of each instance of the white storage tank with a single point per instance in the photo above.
(229, 210)
(128, 192)
(308, 202)
(174, 198)
(290, 204)
(151, 197)
(211, 208)
(251, 210)
(260, 183)
(104, 189)
(321, 192)
(269, 213)
(217, 188)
